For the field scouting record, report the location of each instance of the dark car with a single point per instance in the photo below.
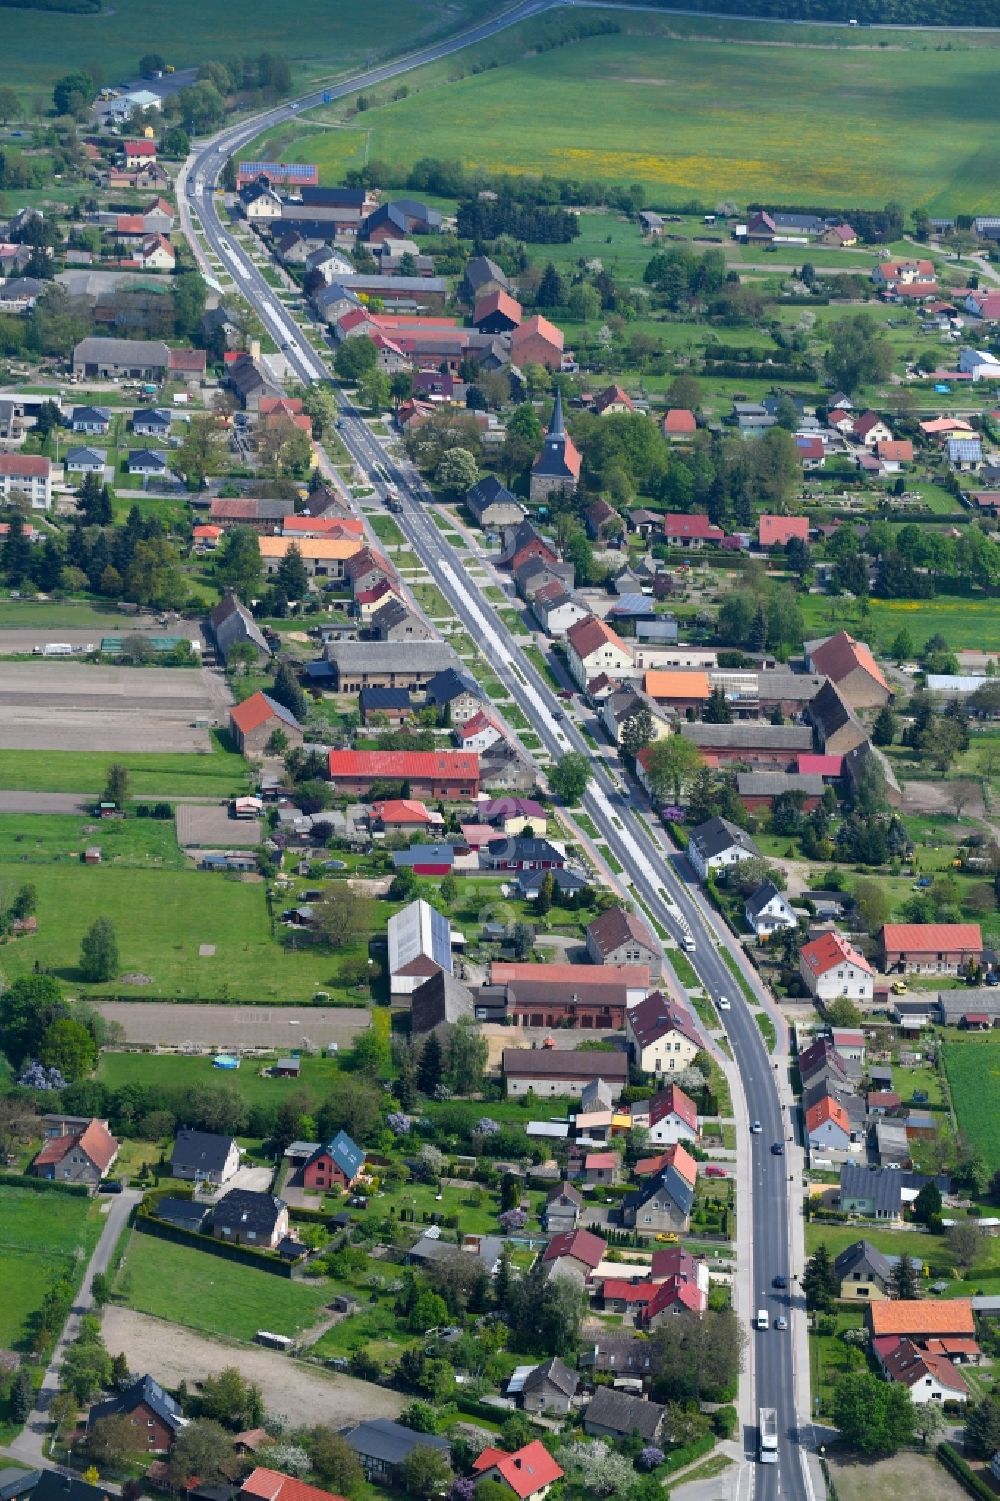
(777, 1149)
(111, 1186)
(779, 1282)
(558, 714)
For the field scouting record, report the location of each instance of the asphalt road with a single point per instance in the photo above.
(664, 881)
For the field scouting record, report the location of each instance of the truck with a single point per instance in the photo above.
(392, 499)
(767, 1422)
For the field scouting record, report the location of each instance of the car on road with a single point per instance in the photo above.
(565, 693)
(724, 1003)
(781, 1322)
(713, 1171)
(688, 944)
(558, 714)
(777, 1149)
(756, 1128)
(779, 1282)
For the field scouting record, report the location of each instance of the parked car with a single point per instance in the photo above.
(712, 1171)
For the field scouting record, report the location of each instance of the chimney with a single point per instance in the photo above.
(255, 349)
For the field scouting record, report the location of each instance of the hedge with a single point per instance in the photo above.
(964, 1473)
(45, 1185)
(679, 1459)
(224, 1248)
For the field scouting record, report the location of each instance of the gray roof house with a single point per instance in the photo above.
(550, 1387)
(204, 1156)
(492, 504)
(617, 1415)
(562, 1208)
(875, 1193)
(439, 1002)
(718, 843)
(231, 625)
(862, 1264)
(382, 1446)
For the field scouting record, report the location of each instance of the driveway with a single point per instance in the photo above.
(254, 1179)
(28, 1444)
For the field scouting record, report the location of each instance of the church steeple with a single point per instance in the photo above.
(557, 428)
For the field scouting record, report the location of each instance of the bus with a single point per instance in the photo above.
(768, 1425)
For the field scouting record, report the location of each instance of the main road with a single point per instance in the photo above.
(662, 880)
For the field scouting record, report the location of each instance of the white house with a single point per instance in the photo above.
(556, 610)
(86, 461)
(828, 1126)
(716, 844)
(930, 1376)
(592, 648)
(478, 733)
(670, 1117)
(661, 1035)
(979, 363)
(768, 912)
(831, 967)
(28, 473)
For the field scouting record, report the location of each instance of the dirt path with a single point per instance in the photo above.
(172, 1354)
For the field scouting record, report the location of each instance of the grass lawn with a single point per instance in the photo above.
(830, 1358)
(43, 838)
(677, 78)
(964, 621)
(173, 774)
(40, 1234)
(72, 614)
(386, 530)
(907, 1476)
(161, 918)
(930, 1250)
(189, 1286)
(973, 1069)
(167, 1070)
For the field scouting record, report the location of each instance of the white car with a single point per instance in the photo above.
(724, 1003)
(756, 1128)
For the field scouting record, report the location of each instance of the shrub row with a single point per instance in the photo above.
(44, 1185)
(964, 1473)
(678, 1459)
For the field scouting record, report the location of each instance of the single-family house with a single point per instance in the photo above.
(620, 1415)
(929, 1377)
(767, 911)
(670, 1116)
(828, 1126)
(661, 1035)
(592, 648)
(578, 1252)
(492, 504)
(255, 722)
(270, 1485)
(679, 425)
(530, 1472)
(619, 937)
(872, 1193)
(204, 1156)
(75, 1154)
(154, 1415)
(661, 1203)
(832, 967)
(692, 531)
(562, 1209)
(556, 610)
(864, 1273)
(334, 1164)
(250, 1219)
(549, 1387)
(718, 844)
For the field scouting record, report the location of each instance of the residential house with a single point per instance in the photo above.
(679, 425)
(850, 665)
(456, 695)
(204, 1156)
(26, 474)
(592, 648)
(514, 815)
(619, 937)
(578, 1252)
(272, 1485)
(557, 611)
(621, 707)
(447, 775)
(661, 1203)
(94, 421)
(334, 1164)
(778, 531)
(612, 400)
(492, 505)
(837, 728)
(864, 1273)
(389, 664)
(871, 1193)
(323, 557)
(132, 359)
(555, 1072)
(922, 1319)
(562, 1209)
(718, 844)
(661, 1035)
(479, 733)
(250, 1219)
(831, 967)
(618, 1415)
(821, 1061)
(530, 1472)
(153, 422)
(230, 624)
(86, 461)
(77, 1155)
(146, 462)
(255, 722)
(620, 1352)
(393, 815)
(521, 852)
(767, 911)
(138, 152)
(549, 1388)
(154, 1415)
(556, 470)
(929, 1377)
(691, 530)
(929, 948)
(419, 944)
(536, 341)
(670, 1116)
(828, 1126)
(395, 621)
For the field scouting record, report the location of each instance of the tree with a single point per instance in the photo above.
(982, 1428)
(717, 710)
(336, 1465)
(113, 1440)
(151, 64)
(902, 649)
(99, 952)
(551, 289)
(927, 1204)
(202, 1448)
(965, 1241)
(570, 777)
(28, 1007)
(546, 894)
(22, 1397)
(466, 1056)
(874, 1417)
(819, 1280)
(697, 1359)
(232, 1400)
(884, 728)
(116, 785)
(343, 916)
(10, 105)
(842, 1012)
(903, 1279)
(291, 580)
(431, 1069)
(375, 390)
(857, 354)
(72, 93)
(238, 563)
(355, 358)
(670, 765)
(286, 691)
(426, 1472)
(202, 452)
(69, 1047)
(637, 731)
(457, 472)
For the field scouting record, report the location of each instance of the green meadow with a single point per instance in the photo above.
(40, 1234)
(691, 114)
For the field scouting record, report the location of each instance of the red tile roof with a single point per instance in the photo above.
(456, 766)
(676, 1156)
(775, 531)
(574, 976)
(579, 1245)
(624, 1291)
(829, 950)
(497, 302)
(921, 1316)
(140, 148)
(898, 451)
(827, 1109)
(613, 396)
(932, 937)
(673, 1101)
(271, 1485)
(130, 224)
(24, 465)
(526, 1471)
(252, 713)
(840, 655)
(590, 634)
(809, 764)
(695, 525)
(403, 810)
(540, 326)
(95, 1140)
(680, 420)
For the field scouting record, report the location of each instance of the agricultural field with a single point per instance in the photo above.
(41, 45)
(220, 773)
(162, 918)
(718, 120)
(189, 1286)
(40, 1235)
(973, 1070)
(965, 621)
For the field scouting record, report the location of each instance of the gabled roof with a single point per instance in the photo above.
(863, 1254)
(257, 710)
(344, 1154)
(616, 926)
(673, 1101)
(694, 526)
(676, 1156)
(829, 951)
(656, 1017)
(840, 655)
(553, 1372)
(95, 1141)
(271, 1485)
(526, 1471)
(672, 1183)
(624, 1413)
(883, 1186)
(827, 1109)
(819, 1055)
(921, 1316)
(578, 1245)
(775, 531)
(932, 937)
(680, 420)
(718, 834)
(142, 1392)
(760, 898)
(201, 1151)
(456, 765)
(589, 635)
(904, 1362)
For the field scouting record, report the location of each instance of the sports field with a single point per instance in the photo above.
(39, 1236)
(323, 37)
(690, 116)
(973, 1070)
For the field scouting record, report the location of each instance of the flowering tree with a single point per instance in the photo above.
(649, 1458)
(512, 1220)
(398, 1122)
(486, 1126)
(35, 1075)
